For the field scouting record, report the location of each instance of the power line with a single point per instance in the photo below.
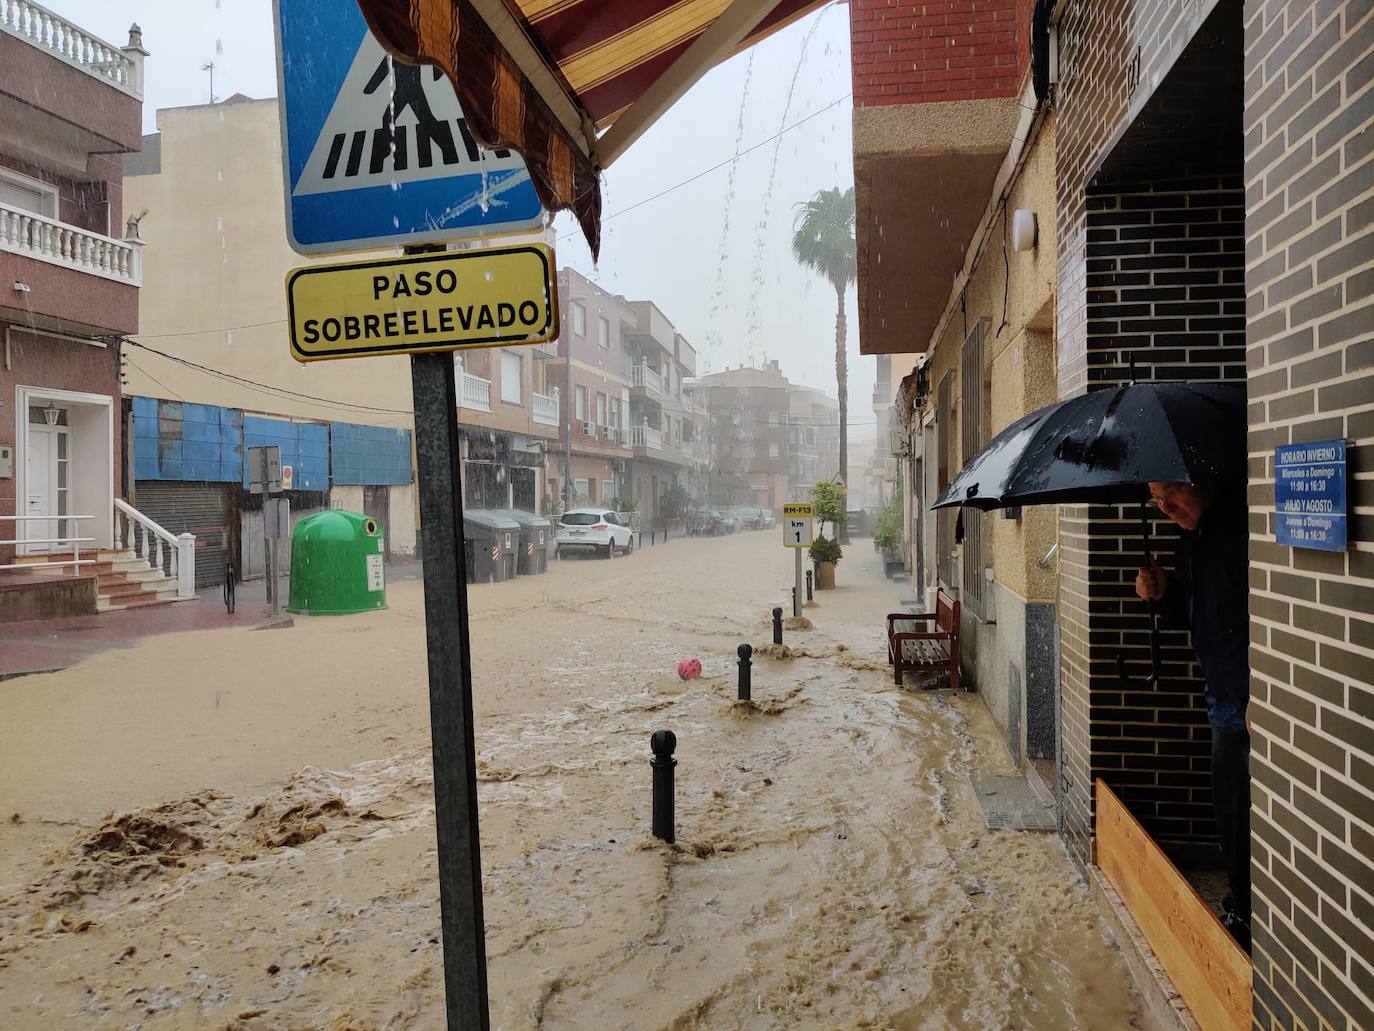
(716, 167)
(268, 388)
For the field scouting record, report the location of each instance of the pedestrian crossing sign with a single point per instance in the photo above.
(377, 153)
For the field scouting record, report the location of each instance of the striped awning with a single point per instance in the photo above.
(570, 84)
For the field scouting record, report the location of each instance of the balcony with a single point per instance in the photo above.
(474, 392)
(647, 381)
(50, 32)
(545, 409)
(56, 243)
(646, 438)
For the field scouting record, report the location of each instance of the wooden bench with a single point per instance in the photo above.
(913, 650)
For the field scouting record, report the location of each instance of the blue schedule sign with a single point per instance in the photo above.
(1310, 495)
(377, 153)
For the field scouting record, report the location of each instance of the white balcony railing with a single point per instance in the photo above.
(46, 239)
(122, 68)
(473, 392)
(545, 409)
(647, 437)
(650, 379)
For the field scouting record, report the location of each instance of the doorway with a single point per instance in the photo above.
(46, 486)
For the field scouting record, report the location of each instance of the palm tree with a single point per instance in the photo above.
(823, 241)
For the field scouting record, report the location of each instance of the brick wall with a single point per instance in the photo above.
(909, 52)
(1309, 123)
(1102, 43)
(1165, 287)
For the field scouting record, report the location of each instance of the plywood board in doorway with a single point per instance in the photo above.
(1210, 971)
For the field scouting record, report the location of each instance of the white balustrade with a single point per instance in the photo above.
(46, 239)
(121, 67)
(164, 551)
(545, 409)
(647, 437)
(474, 392)
(650, 379)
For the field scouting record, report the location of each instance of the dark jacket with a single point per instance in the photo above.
(1209, 593)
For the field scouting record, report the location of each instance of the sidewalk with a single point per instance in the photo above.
(45, 645)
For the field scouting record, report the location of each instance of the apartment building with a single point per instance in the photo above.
(70, 272)
(666, 427)
(591, 463)
(748, 431)
(813, 442)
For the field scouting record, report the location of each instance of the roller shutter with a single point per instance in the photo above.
(201, 509)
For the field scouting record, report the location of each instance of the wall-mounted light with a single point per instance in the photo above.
(1023, 229)
(22, 288)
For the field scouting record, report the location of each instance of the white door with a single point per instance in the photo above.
(40, 489)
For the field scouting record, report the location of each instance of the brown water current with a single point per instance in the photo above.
(193, 846)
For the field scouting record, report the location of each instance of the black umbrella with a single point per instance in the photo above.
(1104, 447)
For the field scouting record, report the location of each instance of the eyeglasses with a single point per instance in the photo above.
(1161, 500)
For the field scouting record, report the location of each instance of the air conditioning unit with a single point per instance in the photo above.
(589, 429)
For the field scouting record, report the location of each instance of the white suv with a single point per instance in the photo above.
(596, 528)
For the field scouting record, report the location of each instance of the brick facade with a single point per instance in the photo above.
(908, 52)
(1309, 178)
(1165, 288)
(1110, 53)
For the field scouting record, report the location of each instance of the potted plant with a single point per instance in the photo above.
(825, 552)
(887, 536)
(674, 505)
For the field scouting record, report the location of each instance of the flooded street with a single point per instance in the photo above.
(269, 861)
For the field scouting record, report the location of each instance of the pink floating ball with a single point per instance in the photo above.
(689, 669)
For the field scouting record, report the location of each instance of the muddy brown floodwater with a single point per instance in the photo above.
(235, 830)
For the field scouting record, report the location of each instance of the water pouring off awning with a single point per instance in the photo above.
(545, 78)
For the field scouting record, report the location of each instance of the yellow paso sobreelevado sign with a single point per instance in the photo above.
(445, 301)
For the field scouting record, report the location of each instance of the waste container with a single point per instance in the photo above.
(532, 555)
(337, 565)
(491, 538)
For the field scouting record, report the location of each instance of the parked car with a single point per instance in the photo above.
(770, 519)
(705, 523)
(596, 529)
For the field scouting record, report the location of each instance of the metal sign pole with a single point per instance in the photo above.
(450, 690)
(797, 593)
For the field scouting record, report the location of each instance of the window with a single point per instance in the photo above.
(603, 332)
(510, 377)
(580, 487)
(601, 409)
(608, 495)
(773, 451)
(578, 315)
(26, 194)
(581, 404)
(974, 391)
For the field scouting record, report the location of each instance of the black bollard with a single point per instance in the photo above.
(746, 671)
(663, 743)
(777, 625)
(808, 585)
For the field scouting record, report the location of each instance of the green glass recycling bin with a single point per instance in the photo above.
(337, 565)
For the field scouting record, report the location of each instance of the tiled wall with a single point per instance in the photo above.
(1309, 179)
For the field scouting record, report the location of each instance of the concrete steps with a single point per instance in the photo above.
(123, 580)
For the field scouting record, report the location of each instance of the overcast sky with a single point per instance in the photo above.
(736, 295)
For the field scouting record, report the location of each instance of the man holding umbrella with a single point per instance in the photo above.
(1184, 443)
(1208, 593)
